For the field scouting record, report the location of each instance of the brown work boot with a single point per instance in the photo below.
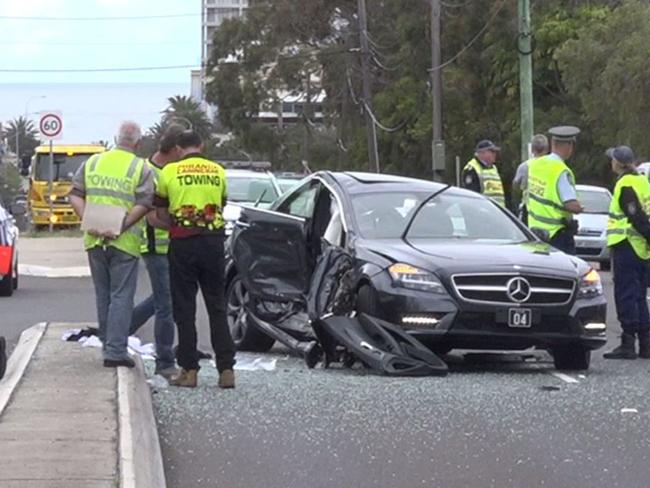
(186, 378)
(227, 379)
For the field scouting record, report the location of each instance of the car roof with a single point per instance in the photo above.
(592, 188)
(246, 173)
(356, 182)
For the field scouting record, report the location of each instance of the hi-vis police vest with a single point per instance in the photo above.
(111, 178)
(155, 241)
(491, 184)
(545, 207)
(619, 227)
(195, 188)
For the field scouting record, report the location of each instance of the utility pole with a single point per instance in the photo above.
(371, 129)
(437, 143)
(525, 77)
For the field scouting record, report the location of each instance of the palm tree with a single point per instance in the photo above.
(27, 134)
(185, 111)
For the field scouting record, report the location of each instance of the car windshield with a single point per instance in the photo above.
(447, 216)
(287, 184)
(250, 189)
(594, 202)
(65, 166)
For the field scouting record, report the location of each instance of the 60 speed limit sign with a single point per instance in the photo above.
(50, 125)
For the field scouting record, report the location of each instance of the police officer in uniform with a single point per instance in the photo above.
(116, 178)
(481, 174)
(628, 235)
(154, 254)
(552, 195)
(191, 195)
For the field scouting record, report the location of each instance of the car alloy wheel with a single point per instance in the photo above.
(236, 312)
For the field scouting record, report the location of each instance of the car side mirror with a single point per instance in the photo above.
(542, 234)
(17, 210)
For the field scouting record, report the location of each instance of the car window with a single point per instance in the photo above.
(250, 189)
(302, 201)
(594, 202)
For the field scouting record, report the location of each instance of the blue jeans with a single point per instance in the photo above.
(630, 288)
(115, 276)
(160, 304)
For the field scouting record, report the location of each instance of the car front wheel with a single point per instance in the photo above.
(245, 336)
(571, 358)
(7, 284)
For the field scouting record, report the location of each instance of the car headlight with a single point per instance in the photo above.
(590, 285)
(408, 276)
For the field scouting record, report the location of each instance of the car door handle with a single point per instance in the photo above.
(242, 225)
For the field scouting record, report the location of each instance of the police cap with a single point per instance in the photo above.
(487, 144)
(565, 133)
(622, 154)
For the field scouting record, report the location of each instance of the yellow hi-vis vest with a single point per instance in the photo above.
(619, 227)
(545, 207)
(154, 241)
(195, 188)
(111, 178)
(490, 180)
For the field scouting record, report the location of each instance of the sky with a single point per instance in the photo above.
(87, 44)
(93, 104)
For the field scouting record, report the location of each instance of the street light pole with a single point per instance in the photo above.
(525, 77)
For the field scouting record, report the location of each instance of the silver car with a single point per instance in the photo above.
(591, 241)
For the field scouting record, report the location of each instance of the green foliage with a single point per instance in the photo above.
(27, 136)
(591, 65)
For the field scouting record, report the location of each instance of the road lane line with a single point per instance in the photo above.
(565, 377)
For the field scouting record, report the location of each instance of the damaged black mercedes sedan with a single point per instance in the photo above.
(393, 271)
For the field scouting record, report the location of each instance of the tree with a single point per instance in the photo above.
(27, 134)
(185, 111)
(607, 68)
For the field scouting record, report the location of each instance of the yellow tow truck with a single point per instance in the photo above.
(67, 160)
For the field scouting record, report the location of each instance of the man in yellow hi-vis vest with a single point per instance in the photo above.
(481, 174)
(628, 237)
(552, 195)
(119, 179)
(191, 195)
(154, 254)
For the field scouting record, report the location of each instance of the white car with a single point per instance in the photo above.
(251, 188)
(591, 241)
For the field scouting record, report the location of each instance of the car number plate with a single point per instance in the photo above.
(520, 318)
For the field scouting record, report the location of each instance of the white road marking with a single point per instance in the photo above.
(48, 272)
(629, 410)
(565, 377)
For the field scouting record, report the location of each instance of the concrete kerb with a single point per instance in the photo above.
(141, 464)
(140, 457)
(18, 362)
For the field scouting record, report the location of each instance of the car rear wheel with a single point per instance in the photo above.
(571, 358)
(245, 336)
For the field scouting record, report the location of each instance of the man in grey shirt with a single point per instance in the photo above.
(119, 179)
(539, 147)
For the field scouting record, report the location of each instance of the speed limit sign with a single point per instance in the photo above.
(50, 125)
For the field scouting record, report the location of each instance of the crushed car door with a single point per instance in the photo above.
(270, 248)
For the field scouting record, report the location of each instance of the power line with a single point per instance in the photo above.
(75, 19)
(474, 39)
(96, 70)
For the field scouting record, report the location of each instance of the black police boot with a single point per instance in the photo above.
(625, 350)
(644, 344)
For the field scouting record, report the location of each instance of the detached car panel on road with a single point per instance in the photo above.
(449, 267)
